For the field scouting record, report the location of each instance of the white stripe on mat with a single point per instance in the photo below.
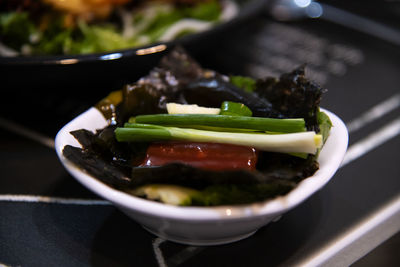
(25, 132)
(372, 141)
(374, 113)
(52, 200)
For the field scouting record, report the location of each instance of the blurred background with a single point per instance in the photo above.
(350, 47)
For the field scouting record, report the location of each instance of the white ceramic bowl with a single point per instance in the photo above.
(204, 225)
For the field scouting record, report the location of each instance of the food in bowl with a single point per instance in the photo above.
(53, 27)
(186, 135)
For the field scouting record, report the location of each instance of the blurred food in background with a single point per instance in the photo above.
(55, 27)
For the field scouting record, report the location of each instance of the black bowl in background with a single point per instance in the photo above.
(45, 92)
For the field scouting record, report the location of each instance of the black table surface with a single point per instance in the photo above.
(49, 219)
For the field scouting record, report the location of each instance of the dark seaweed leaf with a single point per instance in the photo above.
(104, 144)
(199, 92)
(164, 83)
(181, 66)
(185, 175)
(140, 99)
(293, 95)
(286, 167)
(103, 157)
(97, 166)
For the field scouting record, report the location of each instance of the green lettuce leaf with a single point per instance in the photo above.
(16, 28)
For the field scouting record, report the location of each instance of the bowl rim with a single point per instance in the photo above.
(330, 159)
(248, 9)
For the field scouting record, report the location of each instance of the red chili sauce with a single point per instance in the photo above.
(211, 156)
